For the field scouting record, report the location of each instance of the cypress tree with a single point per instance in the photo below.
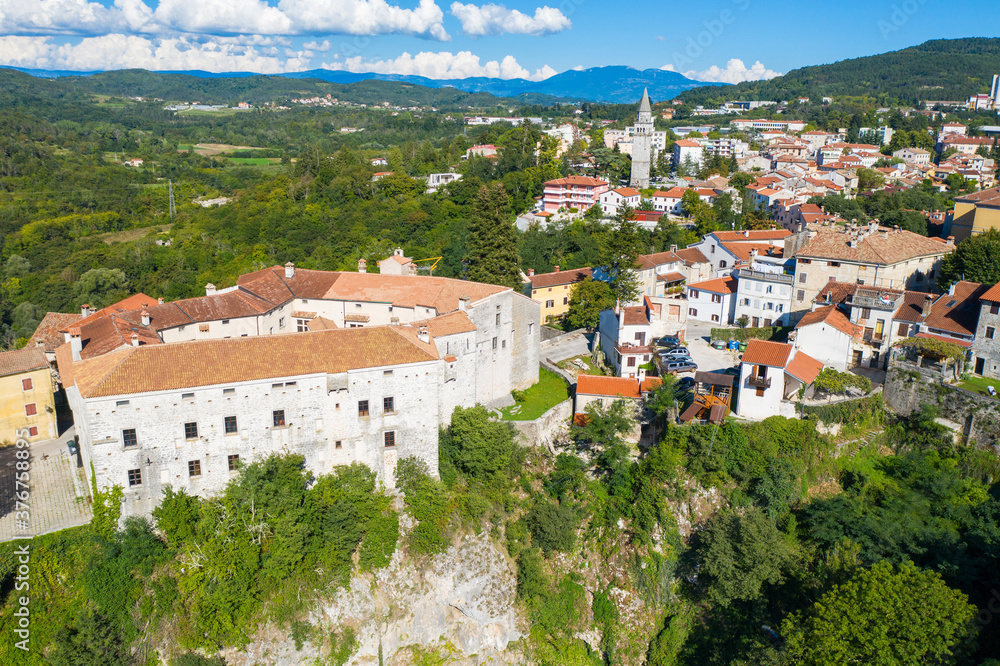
(493, 243)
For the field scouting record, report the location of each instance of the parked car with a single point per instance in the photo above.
(735, 371)
(675, 353)
(679, 366)
(669, 341)
(686, 384)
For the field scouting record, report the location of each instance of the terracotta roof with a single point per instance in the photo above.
(896, 246)
(449, 324)
(442, 294)
(110, 333)
(830, 315)
(957, 312)
(672, 193)
(672, 276)
(742, 250)
(229, 360)
(836, 292)
(321, 324)
(763, 352)
(687, 143)
(912, 308)
(942, 338)
(692, 255)
(544, 280)
(804, 367)
(627, 191)
(134, 302)
(624, 387)
(577, 180)
(751, 235)
(22, 360)
(360, 318)
(992, 294)
(49, 335)
(635, 315)
(990, 197)
(725, 285)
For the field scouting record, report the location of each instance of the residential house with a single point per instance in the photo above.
(613, 200)
(626, 335)
(553, 290)
(713, 300)
(986, 345)
(954, 315)
(913, 155)
(483, 150)
(436, 181)
(606, 390)
(771, 376)
(826, 334)
(27, 406)
(974, 213)
(688, 152)
(710, 245)
(763, 295)
(573, 192)
(397, 264)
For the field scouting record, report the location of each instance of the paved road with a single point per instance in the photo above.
(567, 346)
(57, 497)
(708, 359)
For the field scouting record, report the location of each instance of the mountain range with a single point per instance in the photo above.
(612, 84)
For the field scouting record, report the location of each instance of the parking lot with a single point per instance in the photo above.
(705, 357)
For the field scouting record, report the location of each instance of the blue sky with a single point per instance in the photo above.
(720, 40)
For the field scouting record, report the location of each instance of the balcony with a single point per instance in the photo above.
(872, 339)
(747, 274)
(759, 382)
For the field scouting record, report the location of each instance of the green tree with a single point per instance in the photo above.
(621, 245)
(869, 179)
(976, 259)
(90, 641)
(552, 525)
(882, 617)
(101, 286)
(586, 302)
(493, 242)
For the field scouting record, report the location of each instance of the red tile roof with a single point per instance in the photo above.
(635, 315)
(623, 387)
(577, 180)
(627, 191)
(957, 312)
(831, 316)
(804, 368)
(896, 246)
(751, 235)
(545, 280)
(725, 285)
(992, 294)
(912, 308)
(134, 302)
(742, 250)
(692, 256)
(49, 335)
(763, 352)
(449, 324)
(22, 360)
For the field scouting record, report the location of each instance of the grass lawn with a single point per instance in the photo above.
(550, 390)
(254, 161)
(570, 366)
(979, 384)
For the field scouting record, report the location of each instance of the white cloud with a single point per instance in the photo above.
(117, 51)
(289, 17)
(442, 65)
(323, 46)
(735, 71)
(491, 19)
(660, 38)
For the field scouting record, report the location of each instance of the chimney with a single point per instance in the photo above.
(160, 300)
(85, 310)
(289, 270)
(950, 240)
(951, 289)
(135, 339)
(641, 375)
(209, 289)
(557, 268)
(928, 302)
(673, 248)
(885, 233)
(531, 272)
(75, 343)
(746, 233)
(398, 252)
(145, 318)
(463, 303)
(362, 265)
(423, 335)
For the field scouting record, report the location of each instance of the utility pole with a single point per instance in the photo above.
(173, 207)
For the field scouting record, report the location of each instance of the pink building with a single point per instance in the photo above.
(580, 192)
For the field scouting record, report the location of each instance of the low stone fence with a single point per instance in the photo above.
(908, 386)
(549, 365)
(549, 428)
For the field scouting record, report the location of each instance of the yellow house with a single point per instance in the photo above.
(976, 213)
(553, 290)
(26, 396)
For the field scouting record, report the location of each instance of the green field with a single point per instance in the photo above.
(254, 161)
(979, 384)
(540, 398)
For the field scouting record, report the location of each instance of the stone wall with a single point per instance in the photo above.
(547, 429)
(907, 387)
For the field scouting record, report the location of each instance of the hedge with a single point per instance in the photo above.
(744, 334)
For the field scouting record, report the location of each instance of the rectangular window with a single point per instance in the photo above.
(693, 293)
(549, 304)
(134, 478)
(229, 391)
(281, 322)
(389, 438)
(866, 313)
(904, 329)
(801, 295)
(225, 321)
(30, 409)
(278, 418)
(230, 423)
(495, 343)
(33, 431)
(278, 385)
(692, 312)
(835, 264)
(631, 362)
(715, 317)
(565, 300)
(805, 261)
(194, 468)
(190, 431)
(716, 298)
(995, 309)
(234, 462)
(187, 396)
(26, 384)
(121, 403)
(803, 277)
(388, 405)
(362, 408)
(498, 319)
(129, 438)
(301, 325)
(388, 373)
(338, 444)
(989, 332)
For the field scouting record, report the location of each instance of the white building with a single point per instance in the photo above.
(688, 151)
(913, 155)
(713, 300)
(435, 181)
(626, 338)
(771, 374)
(826, 334)
(711, 245)
(612, 200)
(763, 296)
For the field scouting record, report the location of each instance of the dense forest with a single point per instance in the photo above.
(942, 69)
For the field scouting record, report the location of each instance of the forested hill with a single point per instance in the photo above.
(20, 88)
(942, 69)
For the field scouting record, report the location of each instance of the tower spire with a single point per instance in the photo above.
(644, 104)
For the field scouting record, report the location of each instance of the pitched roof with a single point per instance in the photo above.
(543, 280)
(230, 360)
(449, 324)
(992, 294)
(836, 292)
(113, 332)
(22, 360)
(831, 316)
(635, 315)
(134, 302)
(577, 180)
(627, 191)
(764, 352)
(624, 387)
(726, 285)
(751, 235)
(49, 335)
(804, 367)
(692, 255)
(957, 312)
(742, 250)
(321, 324)
(912, 307)
(872, 248)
